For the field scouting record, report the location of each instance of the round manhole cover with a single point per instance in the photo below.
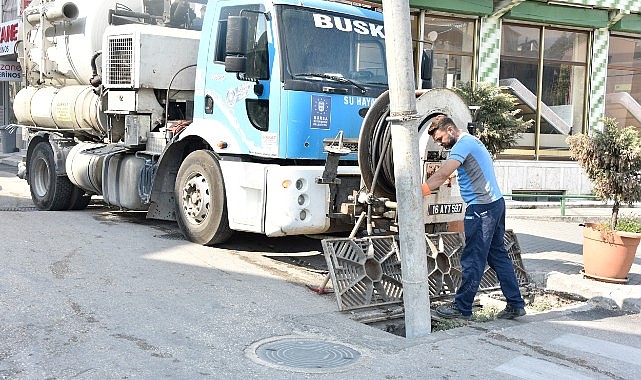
(304, 354)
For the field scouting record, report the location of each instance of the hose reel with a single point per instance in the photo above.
(375, 155)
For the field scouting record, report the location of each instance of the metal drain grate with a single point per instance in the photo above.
(21, 209)
(364, 271)
(171, 236)
(367, 271)
(443, 261)
(305, 354)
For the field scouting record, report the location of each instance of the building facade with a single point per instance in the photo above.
(569, 63)
(10, 71)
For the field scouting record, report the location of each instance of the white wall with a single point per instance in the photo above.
(537, 175)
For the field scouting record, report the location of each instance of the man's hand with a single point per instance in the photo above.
(448, 182)
(443, 174)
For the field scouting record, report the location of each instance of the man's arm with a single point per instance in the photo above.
(441, 175)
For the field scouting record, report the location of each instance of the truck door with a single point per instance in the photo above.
(238, 104)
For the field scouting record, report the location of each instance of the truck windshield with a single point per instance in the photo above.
(324, 46)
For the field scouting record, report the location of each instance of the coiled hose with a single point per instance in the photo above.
(375, 155)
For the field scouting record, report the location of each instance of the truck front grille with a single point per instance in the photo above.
(120, 62)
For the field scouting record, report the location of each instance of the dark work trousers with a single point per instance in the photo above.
(484, 243)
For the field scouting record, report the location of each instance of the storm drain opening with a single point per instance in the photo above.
(485, 309)
(303, 354)
(19, 209)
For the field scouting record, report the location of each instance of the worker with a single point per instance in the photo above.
(484, 221)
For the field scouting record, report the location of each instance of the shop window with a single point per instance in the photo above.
(545, 69)
(623, 86)
(452, 40)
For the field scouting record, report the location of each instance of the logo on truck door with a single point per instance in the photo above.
(321, 112)
(234, 95)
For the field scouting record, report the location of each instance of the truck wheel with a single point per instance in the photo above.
(49, 192)
(201, 205)
(79, 199)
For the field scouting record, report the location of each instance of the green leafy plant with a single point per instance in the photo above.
(446, 324)
(497, 113)
(629, 224)
(625, 223)
(611, 159)
(487, 313)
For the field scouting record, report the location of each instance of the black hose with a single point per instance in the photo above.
(95, 80)
(375, 156)
(382, 154)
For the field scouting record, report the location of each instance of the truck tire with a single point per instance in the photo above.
(79, 199)
(201, 205)
(49, 191)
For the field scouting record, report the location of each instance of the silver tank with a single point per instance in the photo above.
(74, 31)
(58, 95)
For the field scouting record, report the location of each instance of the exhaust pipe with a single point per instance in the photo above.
(59, 10)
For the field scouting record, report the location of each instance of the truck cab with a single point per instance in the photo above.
(276, 84)
(302, 74)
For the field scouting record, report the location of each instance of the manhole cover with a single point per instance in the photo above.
(304, 354)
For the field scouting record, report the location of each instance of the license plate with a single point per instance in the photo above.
(452, 208)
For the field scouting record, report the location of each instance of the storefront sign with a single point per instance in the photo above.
(10, 71)
(25, 3)
(8, 37)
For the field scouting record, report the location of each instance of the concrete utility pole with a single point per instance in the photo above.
(403, 118)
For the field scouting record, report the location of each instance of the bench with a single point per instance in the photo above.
(547, 195)
(538, 195)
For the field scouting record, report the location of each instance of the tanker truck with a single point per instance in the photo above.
(269, 119)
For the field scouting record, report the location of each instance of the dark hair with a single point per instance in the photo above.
(440, 122)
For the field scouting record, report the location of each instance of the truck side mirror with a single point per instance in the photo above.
(427, 64)
(236, 44)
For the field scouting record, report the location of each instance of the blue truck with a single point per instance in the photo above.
(245, 118)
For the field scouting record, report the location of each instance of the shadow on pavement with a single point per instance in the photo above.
(260, 243)
(8, 170)
(595, 314)
(545, 265)
(538, 244)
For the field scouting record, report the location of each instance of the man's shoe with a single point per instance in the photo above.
(451, 311)
(511, 312)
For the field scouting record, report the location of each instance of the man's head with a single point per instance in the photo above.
(444, 131)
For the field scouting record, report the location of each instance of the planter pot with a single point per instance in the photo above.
(608, 255)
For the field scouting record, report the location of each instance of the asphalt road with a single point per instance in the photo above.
(101, 293)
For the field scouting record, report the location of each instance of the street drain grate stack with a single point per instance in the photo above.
(367, 271)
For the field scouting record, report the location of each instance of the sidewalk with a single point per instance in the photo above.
(551, 247)
(552, 255)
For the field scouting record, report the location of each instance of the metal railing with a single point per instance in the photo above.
(562, 197)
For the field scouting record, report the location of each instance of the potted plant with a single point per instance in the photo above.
(611, 158)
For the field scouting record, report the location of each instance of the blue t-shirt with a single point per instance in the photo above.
(476, 174)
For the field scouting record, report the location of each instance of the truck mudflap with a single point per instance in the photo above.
(367, 271)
